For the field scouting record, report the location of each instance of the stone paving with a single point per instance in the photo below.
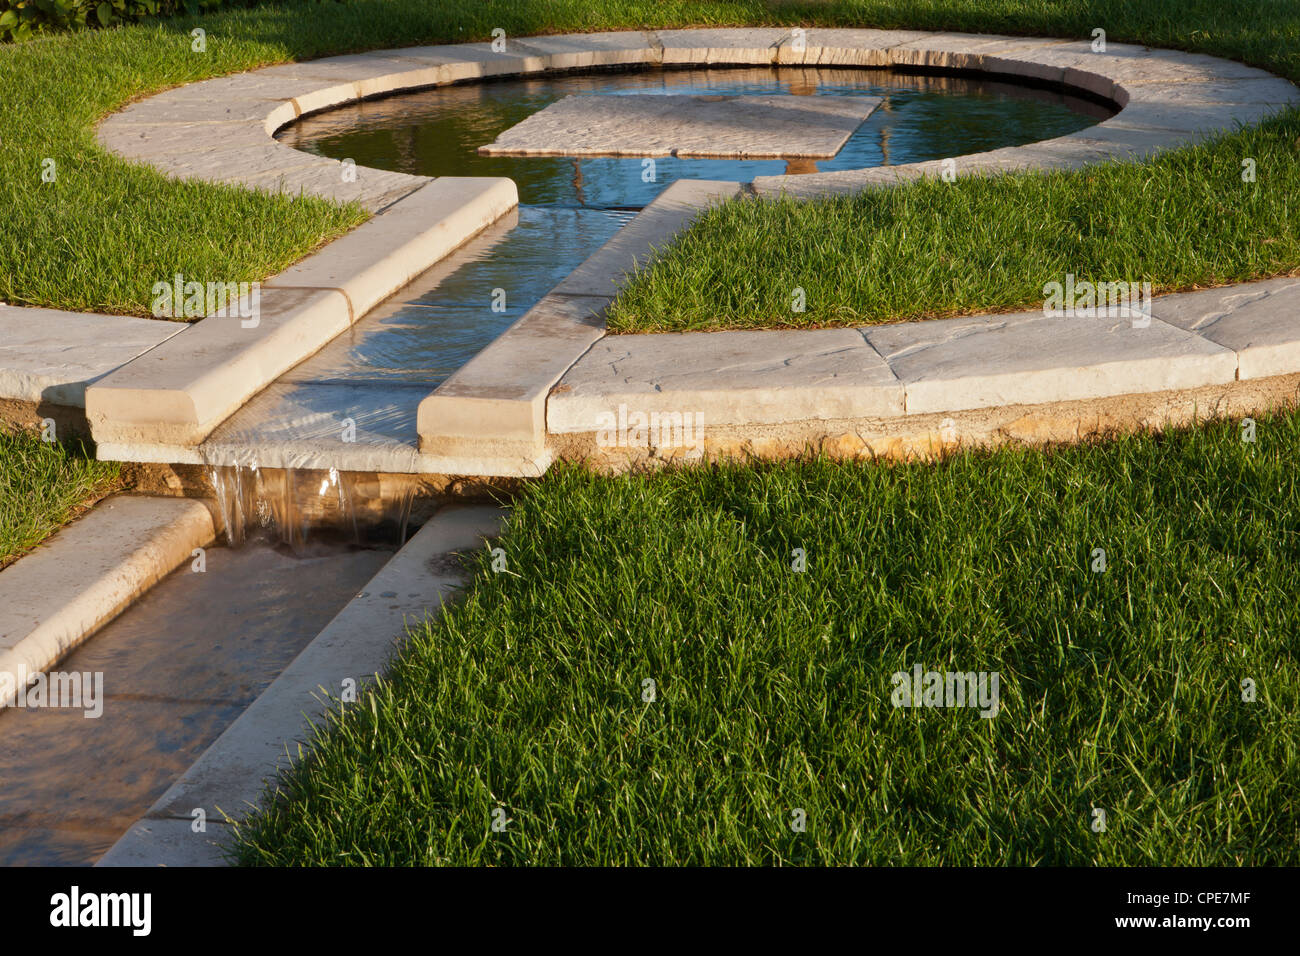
(718, 127)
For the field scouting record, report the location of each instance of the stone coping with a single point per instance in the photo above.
(220, 130)
(34, 371)
(54, 598)
(1195, 339)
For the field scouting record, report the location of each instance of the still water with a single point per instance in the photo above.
(437, 132)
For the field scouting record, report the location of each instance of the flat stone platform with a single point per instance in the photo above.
(717, 127)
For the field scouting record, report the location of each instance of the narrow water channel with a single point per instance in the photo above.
(177, 668)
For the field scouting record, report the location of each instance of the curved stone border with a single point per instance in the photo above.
(219, 130)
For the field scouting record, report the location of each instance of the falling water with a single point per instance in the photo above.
(293, 505)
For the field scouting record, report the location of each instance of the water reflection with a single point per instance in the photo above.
(437, 132)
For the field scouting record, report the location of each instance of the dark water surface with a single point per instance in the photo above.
(437, 132)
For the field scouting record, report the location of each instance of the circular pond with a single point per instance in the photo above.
(921, 117)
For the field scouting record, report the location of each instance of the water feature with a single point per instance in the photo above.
(178, 667)
(437, 132)
(375, 375)
(185, 660)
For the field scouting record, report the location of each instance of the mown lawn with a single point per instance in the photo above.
(1182, 221)
(1121, 689)
(42, 487)
(99, 235)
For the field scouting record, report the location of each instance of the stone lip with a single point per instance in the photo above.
(58, 595)
(87, 347)
(1212, 337)
(220, 130)
(178, 393)
(650, 124)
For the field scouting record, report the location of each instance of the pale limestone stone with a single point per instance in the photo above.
(633, 246)
(222, 164)
(727, 378)
(495, 405)
(1028, 359)
(178, 392)
(722, 45)
(747, 127)
(50, 356)
(1259, 321)
(587, 50)
(373, 188)
(382, 255)
(54, 598)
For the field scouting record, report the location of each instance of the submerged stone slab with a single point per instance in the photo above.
(727, 378)
(1259, 321)
(1030, 359)
(646, 124)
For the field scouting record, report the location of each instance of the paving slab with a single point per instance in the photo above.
(727, 378)
(962, 51)
(51, 356)
(1259, 321)
(844, 47)
(55, 597)
(575, 51)
(745, 127)
(178, 392)
(1029, 359)
(229, 779)
(722, 45)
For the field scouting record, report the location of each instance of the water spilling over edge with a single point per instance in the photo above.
(293, 506)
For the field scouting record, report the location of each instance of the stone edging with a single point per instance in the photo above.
(169, 399)
(54, 598)
(227, 780)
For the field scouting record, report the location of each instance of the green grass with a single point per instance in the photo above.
(100, 235)
(932, 249)
(1120, 690)
(42, 487)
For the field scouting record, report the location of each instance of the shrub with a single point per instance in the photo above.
(24, 19)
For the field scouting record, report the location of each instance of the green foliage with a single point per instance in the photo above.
(24, 19)
(44, 485)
